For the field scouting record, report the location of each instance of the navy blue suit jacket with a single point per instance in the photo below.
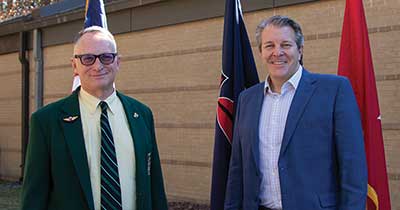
(322, 162)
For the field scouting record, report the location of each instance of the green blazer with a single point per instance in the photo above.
(56, 170)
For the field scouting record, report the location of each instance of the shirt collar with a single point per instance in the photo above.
(92, 102)
(293, 81)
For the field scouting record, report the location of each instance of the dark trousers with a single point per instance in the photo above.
(264, 208)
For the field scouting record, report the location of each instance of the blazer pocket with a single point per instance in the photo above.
(328, 200)
(140, 201)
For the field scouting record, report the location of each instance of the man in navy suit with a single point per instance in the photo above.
(298, 142)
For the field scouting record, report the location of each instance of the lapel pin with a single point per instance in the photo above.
(135, 115)
(149, 163)
(70, 119)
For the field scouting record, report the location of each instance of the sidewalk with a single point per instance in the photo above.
(9, 199)
(9, 195)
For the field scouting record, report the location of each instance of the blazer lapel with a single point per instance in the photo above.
(137, 124)
(302, 96)
(257, 105)
(72, 125)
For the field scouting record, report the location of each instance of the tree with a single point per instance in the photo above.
(10, 9)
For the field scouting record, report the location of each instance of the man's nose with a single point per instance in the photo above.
(278, 51)
(97, 64)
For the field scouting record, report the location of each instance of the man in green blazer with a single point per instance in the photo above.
(95, 149)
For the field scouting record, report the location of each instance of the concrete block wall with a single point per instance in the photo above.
(10, 117)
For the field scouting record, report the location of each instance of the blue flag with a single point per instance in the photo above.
(95, 14)
(238, 73)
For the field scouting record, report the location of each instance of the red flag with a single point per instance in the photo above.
(355, 62)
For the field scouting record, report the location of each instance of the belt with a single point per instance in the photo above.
(264, 208)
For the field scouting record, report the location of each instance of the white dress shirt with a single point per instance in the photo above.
(274, 112)
(124, 148)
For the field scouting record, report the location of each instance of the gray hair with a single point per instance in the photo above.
(280, 21)
(95, 29)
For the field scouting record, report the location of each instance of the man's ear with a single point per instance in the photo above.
(301, 49)
(73, 64)
(259, 51)
(301, 54)
(118, 60)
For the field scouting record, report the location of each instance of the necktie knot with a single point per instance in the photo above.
(103, 106)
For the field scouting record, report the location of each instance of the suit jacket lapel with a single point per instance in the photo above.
(303, 94)
(137, 124)
(257, 105)
(74, 138)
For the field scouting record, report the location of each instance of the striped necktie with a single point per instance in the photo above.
(110, 187)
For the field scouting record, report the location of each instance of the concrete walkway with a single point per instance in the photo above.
(9, 199)
(9, 195)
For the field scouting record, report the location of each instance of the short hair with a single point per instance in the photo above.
(95, 29)
(280, 21)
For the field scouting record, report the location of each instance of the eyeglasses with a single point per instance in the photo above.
(89, 59)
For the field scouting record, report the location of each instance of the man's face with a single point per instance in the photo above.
(280, 53)
(97, 77)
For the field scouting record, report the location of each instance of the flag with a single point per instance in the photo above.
(238, 72)
(355, 62)
(95, 15)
